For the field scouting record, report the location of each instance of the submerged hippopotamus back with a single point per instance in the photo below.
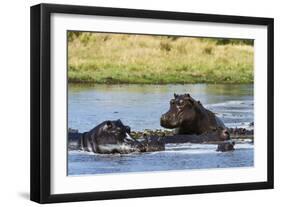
(226, 146)
(189, 116)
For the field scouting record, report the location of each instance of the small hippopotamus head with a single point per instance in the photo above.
(113, 132)
(226, 146)
(183, 109)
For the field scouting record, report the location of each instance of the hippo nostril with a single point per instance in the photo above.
(227, 134)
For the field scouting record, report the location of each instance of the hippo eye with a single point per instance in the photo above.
(180, 102)
(172, 101)
(214, 129)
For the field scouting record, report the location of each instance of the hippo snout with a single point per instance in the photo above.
(168, 121)
(163, 120)
(163, 117)
(128, 129)
(166, 117)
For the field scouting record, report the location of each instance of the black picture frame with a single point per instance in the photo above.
(41, 97)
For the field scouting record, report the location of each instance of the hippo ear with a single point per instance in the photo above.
(199, 103)
(176, 95)
(109, 124)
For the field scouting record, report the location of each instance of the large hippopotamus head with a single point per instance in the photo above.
(183, 108)
(189, 116)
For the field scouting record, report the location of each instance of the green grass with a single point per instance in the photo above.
(144, 59)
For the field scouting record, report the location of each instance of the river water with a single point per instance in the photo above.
(140, 107)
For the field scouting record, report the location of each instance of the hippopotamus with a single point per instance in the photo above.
(113, 137)
(217, 135)
(225, 146)
(189, 116)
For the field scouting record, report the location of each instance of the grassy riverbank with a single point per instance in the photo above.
(114, 58)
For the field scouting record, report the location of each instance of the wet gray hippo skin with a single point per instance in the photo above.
(226, 146)
(113, 137)
(152, 144)
(189, 116)
(217, 134)
(108, 137)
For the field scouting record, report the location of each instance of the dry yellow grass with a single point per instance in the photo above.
(119, 58)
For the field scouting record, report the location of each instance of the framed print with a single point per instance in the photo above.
(132, 103)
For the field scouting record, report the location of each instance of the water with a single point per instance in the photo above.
(140, 107)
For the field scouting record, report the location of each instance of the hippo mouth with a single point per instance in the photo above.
(128, 138)
(131, 142)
